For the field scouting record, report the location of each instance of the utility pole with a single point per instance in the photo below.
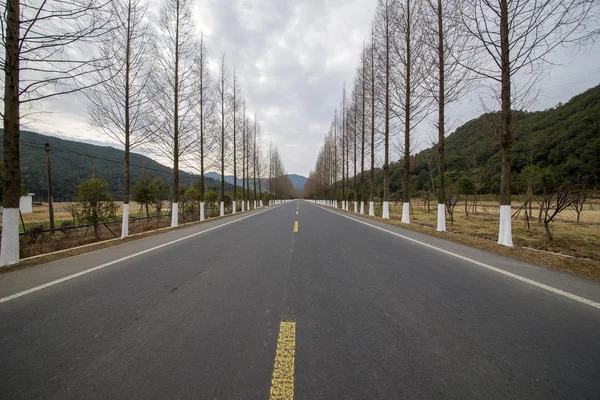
(49, 174)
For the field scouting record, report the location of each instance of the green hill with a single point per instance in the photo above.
(565, 138)
(72, 162)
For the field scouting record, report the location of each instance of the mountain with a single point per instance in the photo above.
(565, 138)
(298, 181)
(72, 162)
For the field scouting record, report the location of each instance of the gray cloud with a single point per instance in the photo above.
(292, 58)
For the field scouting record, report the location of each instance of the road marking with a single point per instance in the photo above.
(479, 263)
(87, 271)
(296, 226)
(282, 383)
(296, 212)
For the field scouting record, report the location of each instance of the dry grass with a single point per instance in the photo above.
(578, 241)
(41, 214)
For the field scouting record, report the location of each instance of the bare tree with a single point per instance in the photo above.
(119, 103)
(244, 157)
(174, 88)
(255, 159)
(410, 101)
(363, 140)
(578, 203)
(448, 80)
(48, 51)
(372, 180)
(205, 110)
(235, 105)
(384, 23)
(512, 42)
(224, 109)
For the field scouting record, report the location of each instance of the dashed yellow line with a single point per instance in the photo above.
(282, 383)
(296, 212)
(296, 226)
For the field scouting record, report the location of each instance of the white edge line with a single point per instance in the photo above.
(87, 271)
(479, 263)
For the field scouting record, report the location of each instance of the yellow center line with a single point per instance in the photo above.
(282, 383)
(296, 226)
(296, 212)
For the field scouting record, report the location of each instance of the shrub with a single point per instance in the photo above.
(95, 201)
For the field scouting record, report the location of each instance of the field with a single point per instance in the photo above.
(574, 247)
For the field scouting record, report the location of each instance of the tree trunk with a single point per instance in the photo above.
(547, 228)
(505, 233)
(372, 186)
(12, 158)
(407, 111)
(441, 108)
(387, 109)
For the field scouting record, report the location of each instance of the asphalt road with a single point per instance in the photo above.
(375, 316)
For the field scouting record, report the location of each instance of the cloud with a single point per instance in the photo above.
(292, 59)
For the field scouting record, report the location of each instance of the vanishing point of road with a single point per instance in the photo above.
(297, 301)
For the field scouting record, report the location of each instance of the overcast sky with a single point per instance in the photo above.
(292, 59)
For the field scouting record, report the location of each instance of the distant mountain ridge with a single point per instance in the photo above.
(297, 180)
(72, 162)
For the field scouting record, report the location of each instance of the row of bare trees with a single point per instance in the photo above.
(149, 86)
(423, 56)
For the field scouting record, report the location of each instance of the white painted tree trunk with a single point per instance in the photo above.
(505, 234)
(441, 220)
(261, 204)
(371, 209)
(125, 223)
(233, 210)
(255, 204)
(201, 211)
(406, 213)
(362, 207)
(9, 251)
(248, 205)
(174, 215)
(222, 211)
(386, 210)
(355, 206)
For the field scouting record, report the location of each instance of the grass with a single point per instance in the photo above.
(576, 245)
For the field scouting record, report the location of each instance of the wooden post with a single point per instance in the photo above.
(49, 175)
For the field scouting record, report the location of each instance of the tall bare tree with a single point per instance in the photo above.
(512, 43)
(205, 110)
(223, 90)
(48, 51)
(174, 88)
(384, 25)
(119, 104)
(372, 141)
(448, 80)
(255, 159)
(410, 99)
(235, 106)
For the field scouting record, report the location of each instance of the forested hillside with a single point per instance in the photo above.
(565, 138)
(72, 162)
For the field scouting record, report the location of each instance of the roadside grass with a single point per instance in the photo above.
(575, 248)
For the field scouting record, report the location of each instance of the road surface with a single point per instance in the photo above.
(297, 300)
